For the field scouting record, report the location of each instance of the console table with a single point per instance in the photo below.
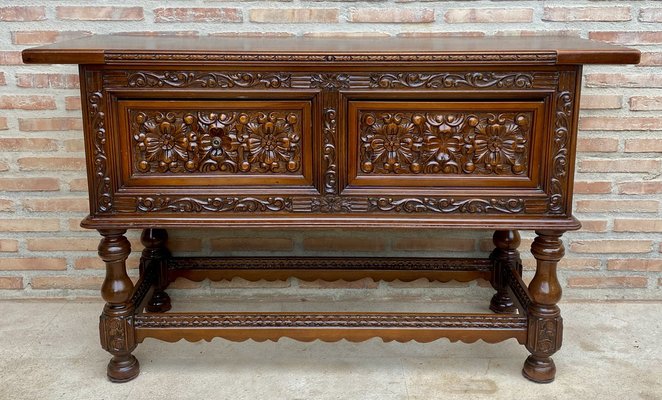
(385, 133)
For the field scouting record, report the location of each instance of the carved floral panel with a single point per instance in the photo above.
(436, 142)
(223, 141)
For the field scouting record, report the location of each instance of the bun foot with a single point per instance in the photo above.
(160, 302)
(539, 370)
(123, 368)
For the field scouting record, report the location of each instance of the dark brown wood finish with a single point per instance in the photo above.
(299, 132)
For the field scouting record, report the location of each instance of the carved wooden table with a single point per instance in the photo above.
(297, 133)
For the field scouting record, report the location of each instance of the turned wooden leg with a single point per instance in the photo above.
(155, 255)
(545, 323)
(116, 322)
(504, 256)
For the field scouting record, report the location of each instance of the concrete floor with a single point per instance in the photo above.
(50, 350)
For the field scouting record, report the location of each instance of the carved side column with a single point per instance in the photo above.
(545, 322)
(116, 322)
(504, 256)
(155, 255)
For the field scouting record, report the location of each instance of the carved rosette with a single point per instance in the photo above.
(220, 142)
(444, 143)
(330, 81)
(544, 334)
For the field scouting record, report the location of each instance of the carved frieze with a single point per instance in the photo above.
(96, 128)
(481, 80)
(446, 205)
(203, 79)
(560, 151)
(224, 141)
(444, 143)
(213, 204)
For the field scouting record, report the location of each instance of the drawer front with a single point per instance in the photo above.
(215, 143)
(445, 144)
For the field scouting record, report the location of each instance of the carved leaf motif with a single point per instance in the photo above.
(330, 132)
(330, 81)
(446, 205)
(447, 80)
(331, 204)
(444, 143)
(230, 141)
(562, 126)
(215, 204)
(182, 79)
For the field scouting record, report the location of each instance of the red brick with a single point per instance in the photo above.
(29, 184)
(31, 102)
(601, 101)
(67, 282)
(428, 244)
(638, 225)
(30, 225)
(11, 282)
(74, 145)
(252, 244)
(615, 282)
(54, 81)
(50, 124)
(51, 164)
(579, 264)
(3, 81)
(27, 144)
(592, 187)
(198, 15)
(63, 244)
(8, 246)
(74, 225)
(569, 14)
(618, 206)
(646, 265)
(650, 59)
(530, 33)
(594, 225)
(624, 80)
(611, 246)
(343, 244)
(488, 15)
(97, 263)
(60, 204)
(365, 283)
(294, 15)
(646, 103)
(621, 123)
(392, 15)
(158, 33)
(345, 34)
(6, 205)
(10, 58)
(45, 37)
(72, 103)
(620, 165)
(4, 166)
(650, 14)
(20, 14)
(643, 146)
(434, 34)
(239, 283)
(627, 38)
(99, 13)
(24, 264)
(3, 124)
(649, 187)
(78, 185)
(597, 145)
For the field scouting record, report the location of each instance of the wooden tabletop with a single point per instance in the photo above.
(112, 49)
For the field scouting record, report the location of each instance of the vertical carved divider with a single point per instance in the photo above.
(504, 256)
(545, 322)
(116, 322)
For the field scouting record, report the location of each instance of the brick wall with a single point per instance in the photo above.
(618, 253)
